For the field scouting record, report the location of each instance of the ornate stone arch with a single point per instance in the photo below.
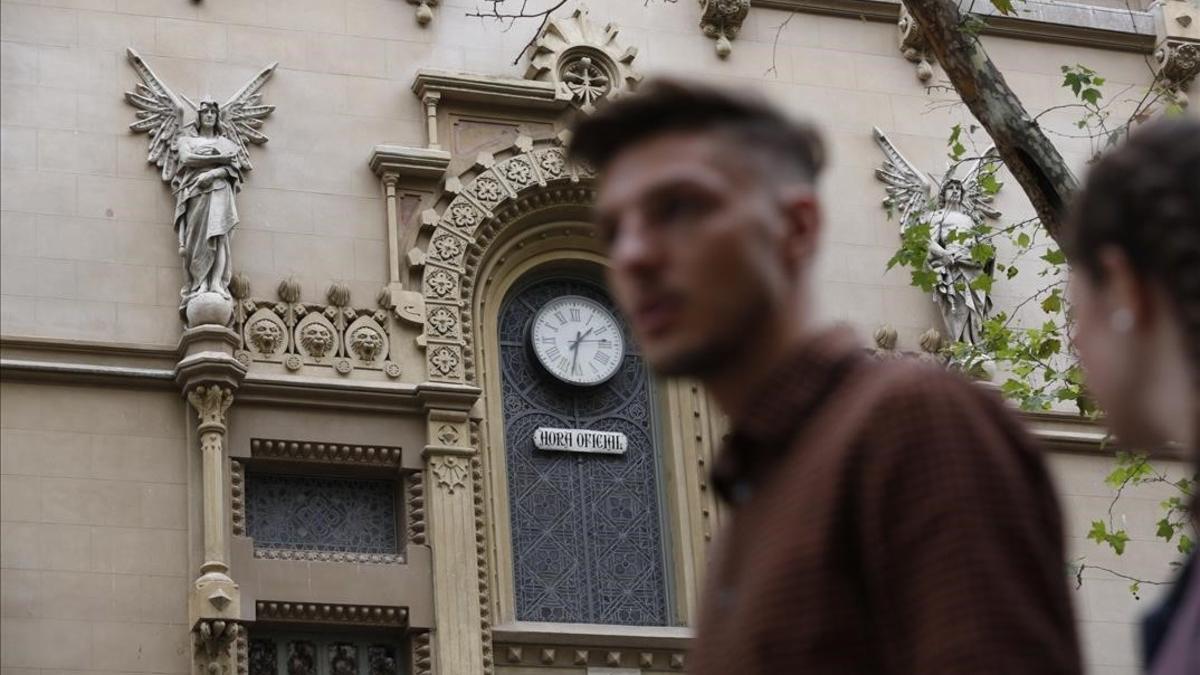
(498, 192)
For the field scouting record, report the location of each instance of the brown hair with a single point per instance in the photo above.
(1144, 199)
(666, 106)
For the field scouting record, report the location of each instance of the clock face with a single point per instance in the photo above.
(577, 340)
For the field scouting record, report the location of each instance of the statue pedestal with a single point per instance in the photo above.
(209, 309)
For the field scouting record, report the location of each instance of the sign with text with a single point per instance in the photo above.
(580, 440)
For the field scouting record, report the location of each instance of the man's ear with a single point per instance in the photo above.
(803, 219)
(1124, 289)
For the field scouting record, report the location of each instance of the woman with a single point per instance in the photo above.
(1134, 244)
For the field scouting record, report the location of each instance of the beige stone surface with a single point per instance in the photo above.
(1108, 612)
(94, 504)
(93, 530)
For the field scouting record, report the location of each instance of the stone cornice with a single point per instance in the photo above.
(463, 87)
(407, 162)
(1060, 22)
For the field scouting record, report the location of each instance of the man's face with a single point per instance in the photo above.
(700, 249)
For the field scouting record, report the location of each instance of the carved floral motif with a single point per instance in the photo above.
(440, 282)
(488, 189)
(443, 320)
(553, 163)
(445, 360)
(518, 171)
(464, 215)
(447, 247)
(450, 473)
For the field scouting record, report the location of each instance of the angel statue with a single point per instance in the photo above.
(205, 162)
(952, 207)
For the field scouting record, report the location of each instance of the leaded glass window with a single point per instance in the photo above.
(318, 513)
(321, 654)
(588, 532)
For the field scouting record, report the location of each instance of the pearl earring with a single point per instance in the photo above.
(1121, 320)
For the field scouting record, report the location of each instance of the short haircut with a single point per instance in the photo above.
(667, 106)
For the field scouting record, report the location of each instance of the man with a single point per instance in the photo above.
(887, 518)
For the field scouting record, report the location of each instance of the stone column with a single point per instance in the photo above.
(458, 593)
(208, 374)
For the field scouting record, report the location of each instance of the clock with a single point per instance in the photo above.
(577, 340)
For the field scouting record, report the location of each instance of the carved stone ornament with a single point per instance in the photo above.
(721, 20)
(914, 46)
(526, 175)
(213, 639)
(211, 403)
(204, 161)
(326, 453)
(424, 12)
(450, 472)
(1177, 54)
(357, 615)
(953, 209)
(336, 335)
(583, 59)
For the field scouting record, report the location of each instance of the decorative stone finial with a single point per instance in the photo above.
(721, 20)
(338, 295)
(289, 290)
(424, 10)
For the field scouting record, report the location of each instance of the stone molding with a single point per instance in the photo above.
(1039, 20)
(493, 91)
(475, 207)
(329, 453)
(327, 613)
(329, 556)
(333, 336)
(559, 656)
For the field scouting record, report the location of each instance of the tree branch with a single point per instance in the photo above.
(1025, 149)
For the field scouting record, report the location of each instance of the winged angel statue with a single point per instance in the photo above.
(952, 207)
(204, 161)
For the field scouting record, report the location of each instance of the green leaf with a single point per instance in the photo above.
(1052, 303)
(1165, 529)
(1185, 545)
(1091, 95)
(924, 279)
(1004, 7)
(1054, 256)
(983, 283)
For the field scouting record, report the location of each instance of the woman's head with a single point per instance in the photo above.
(1134, 244)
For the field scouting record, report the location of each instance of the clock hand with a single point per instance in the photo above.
(575, 350)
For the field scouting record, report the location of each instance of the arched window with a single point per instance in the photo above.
(589, 539)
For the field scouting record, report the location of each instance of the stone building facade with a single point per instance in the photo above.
(339, 473)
